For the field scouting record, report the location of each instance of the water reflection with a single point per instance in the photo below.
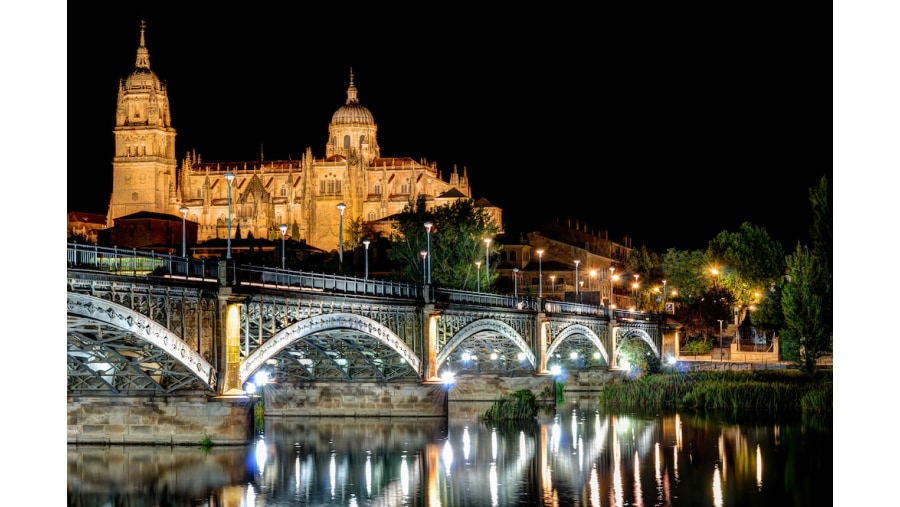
(571, 458)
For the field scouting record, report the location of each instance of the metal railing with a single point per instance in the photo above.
(134, 262)
(303, 280)
(485, 299)
(140, 263)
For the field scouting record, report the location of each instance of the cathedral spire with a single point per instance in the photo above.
(351, 91)
(143, 56)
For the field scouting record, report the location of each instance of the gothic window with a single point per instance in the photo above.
(371, 216)
(330, 189)
(378, 189)
(338, 186)
(199, 193)
(404, 187)
(322, 187)
(283, 190)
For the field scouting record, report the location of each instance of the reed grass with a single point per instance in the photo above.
(767, 391)
(520, 405)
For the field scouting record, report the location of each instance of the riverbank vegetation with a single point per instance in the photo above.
(521, 405)
(761, 390)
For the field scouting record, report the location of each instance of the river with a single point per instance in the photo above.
(572, 457)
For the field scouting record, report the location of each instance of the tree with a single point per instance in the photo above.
(749, 262)
(648, 264)
(457, 241)
(806, 335)
(685, 272)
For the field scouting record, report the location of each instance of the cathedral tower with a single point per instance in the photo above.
(144, 162)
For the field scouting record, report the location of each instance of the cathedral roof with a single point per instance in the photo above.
(352, 113)
(142, 77)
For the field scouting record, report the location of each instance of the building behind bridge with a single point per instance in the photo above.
(303, 194)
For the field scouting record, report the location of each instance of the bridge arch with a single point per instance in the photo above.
(482, 326)
(626, 333)
(338, 321)
(144, 328)
(580, 330)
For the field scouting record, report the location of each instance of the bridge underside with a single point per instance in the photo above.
(338, 355)
(104, 358)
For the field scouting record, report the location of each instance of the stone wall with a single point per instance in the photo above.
(158, 421)
(365, 399)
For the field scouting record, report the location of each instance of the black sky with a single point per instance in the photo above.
(665, 127)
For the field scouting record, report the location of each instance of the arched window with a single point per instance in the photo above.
(371, 216)
(378, 189)
(346, 142)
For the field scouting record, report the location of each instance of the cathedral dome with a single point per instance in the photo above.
(352, 113)
(142, 79)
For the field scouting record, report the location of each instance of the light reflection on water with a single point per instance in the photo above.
(575, 457)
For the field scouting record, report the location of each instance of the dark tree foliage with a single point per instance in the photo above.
(806, 335)
(686, 273)
(749, 261)
(457, 242)
(806, 298)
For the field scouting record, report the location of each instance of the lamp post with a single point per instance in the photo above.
(720, 337)
(576, 277)
(635, 286)
(283, 228)
(366, 244)
(424, 255)
(487, 262)
(612, 270)
(341, 207)
(540, 253)
(229, 177)
(478, 278)
(428, 226)
(515, 282)
(664, 297)
(183, 209)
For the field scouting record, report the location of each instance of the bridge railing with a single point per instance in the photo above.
(125, 261)
(485, 299)
(576, 308)
(305, 280)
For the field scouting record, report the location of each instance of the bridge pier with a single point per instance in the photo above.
(230, 352)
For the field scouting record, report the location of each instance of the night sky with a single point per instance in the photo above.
(664, 132)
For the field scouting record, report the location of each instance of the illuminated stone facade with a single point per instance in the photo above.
(303, 194)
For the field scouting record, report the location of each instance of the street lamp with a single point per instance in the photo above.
(612, 270)
(424, 254)
(635, 286)
(229, 177)
(428, 226)
(576, 277)
(665, 296)
(478, 278)
(341, 207)
(366, 244)
(516, 282)
(720, 335)
(540, 253)
(487, 262)
(283, 228)
(183, 209)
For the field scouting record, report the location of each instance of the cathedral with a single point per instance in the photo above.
(311, 196)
